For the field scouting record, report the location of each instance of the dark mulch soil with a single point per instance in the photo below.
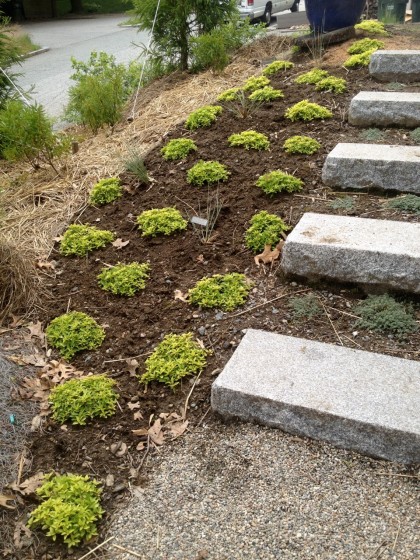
(134, 326)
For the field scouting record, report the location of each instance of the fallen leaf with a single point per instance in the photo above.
(178, 428)
(22, 536)
(119, 449)
(132, 366)
(109, 481)
(34, 360)
(155, 433)
(268, 256)
(4, 499)
(141, 446)
(138, 415)
(41, 263)
(35, 329)
(36, 423)
(140, 432)
(58, 238)
(29, 485)
(119, 243)
(200, 258)
(179, 295)
(133, 406)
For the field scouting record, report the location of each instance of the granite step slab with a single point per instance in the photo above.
(395, 66)
(382, 108)
(383, 254)
(361, 166)
(350, 398)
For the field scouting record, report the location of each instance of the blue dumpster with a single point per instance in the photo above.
(329, 15)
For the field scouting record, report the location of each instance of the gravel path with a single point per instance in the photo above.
(240, 491)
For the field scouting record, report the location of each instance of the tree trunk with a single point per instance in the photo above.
(183, 42)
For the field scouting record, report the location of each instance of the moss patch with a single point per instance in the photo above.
(223, 291)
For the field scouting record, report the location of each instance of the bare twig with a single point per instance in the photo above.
(136, 554)
(96, 548)
(125, 359)
(267, 302)
(397, 535)
(329, 319)
(184, 414)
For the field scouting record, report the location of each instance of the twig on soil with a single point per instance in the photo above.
(21, 463)
(127, 550)
(397, 535)
(397, 474)
(184, 414)
(96, 548)
(202, 418)
(186, 204)
(267, 302)
(343, 312)
(332, 324)
(125, 359)
(353, 341)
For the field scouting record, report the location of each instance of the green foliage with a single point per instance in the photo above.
(305, 307)
(70, 509)
(267, 93)
(9, 56)
(178, 148)
(81, 239)
(372, 27)
(175, 357)
(161, 221)
(415, 135)
(301, 145)
(357, 60)
(206, 172)
(312, 77)
(73, 332)
(229, 95)
(385, 314)
(364, 45)
(203, 117)
(79, 400)
(223, 291)
(342, 203)
(106, 191)
(372, 135)
(135, 165)
(265, 229)
(278, 181)
(332, 85)
(241, 106)
(26, 134)
(407, 203)
(306, 111)
(256, 82)
(276, 67)
(249, 139)
(395, 86)
(124, 279)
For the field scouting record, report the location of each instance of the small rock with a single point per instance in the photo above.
(219, 316)
(202, 331)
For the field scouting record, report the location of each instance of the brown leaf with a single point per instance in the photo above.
(178, 428)
(119, 449)
(34, 360)
(179, 295)
(268, 256)
(138, 415)
(140, 432)
(155, 433)
(36, 423)
(22, 536)
(133, 406)
(41, 263)
(4, 499)
(132, 366)
(35, 329)
(29, 485)
(109, 481)
(119, 243)
(140, 446)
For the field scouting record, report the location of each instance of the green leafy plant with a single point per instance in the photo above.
(73, 332)
(342, 203)
(241, 107)
(249, 139)
(161, 221)
(306, 111)
(124, 279)
(372, 27)
(223, 291)
(70, 508)
(207, 172)
(372, 135)
(10, 53)
(175, 357)
(385, 314)
(178, 148)
(265, 229)
(407, 203)
(135, 165)
(81, 239)
(256, 82)
(106, 191)
(357, 60)
(364, 45)
(312, 77)
(231, 94)
(395, 86)
(301, 145)
(267, 93)
(279, 181)
(415, 135)
(305, 307)
(332, 85)
(79, 400)
(203, 117)
(276, 67)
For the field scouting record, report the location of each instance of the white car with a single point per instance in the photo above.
(262, 10)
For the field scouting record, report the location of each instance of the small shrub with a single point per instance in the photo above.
(415, 135)
(332, 85)
(267, 93)
(70, 509)
(305, 307)
(277, 66)
(372, 135)
(372, 26)
(177, 149)
(395, 86)
(306, 111)
(301, 145)
(106, 191)
(79, 400)
(161, 221)
(135, 165)
(278, 181)
(203, 117)
(124, 279)
(249, 139)
(209, 50)
(357, 60)
(229, 95)
(73, 332)
(223, 291)
(342, 203)
(241, 107)
(207, 172)
(385, 314)
(407, 203)
(256, 82)
(175, 357)
(364, 45)
(312, 77)
(265, 229)
(81, 239)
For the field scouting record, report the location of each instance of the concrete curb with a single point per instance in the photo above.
(35, 53)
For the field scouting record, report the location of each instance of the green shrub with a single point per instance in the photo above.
(106, 191)
(175, 357)
(79, 400)
(415, 135)
(10, 53)
(203, 117)
(278, 181)
(305, 307)
(256, 82)
(81, 239)
(372, 135)
(407, 203)
(249, 139)
(73, 332)
(332, 85)
(266, 93)
(265, 229)
(301, 145)
(342, 203)
(364, 45)
(161, 221)
(231, 94)
(312, 77)
(124, 279)
(372, 26)
(306, 111)
(70, 509)
(135, 165)
(206, 172)
(384, 314)
(277, 66)
(357, 60)
(178, 148)
(223, 291)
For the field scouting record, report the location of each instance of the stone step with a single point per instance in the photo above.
(351, 398)
(360, 166)
(395, 66)
(382, 108)
(380, 253)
